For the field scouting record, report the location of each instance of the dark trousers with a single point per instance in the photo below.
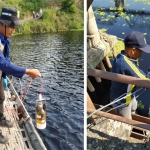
(2, 96)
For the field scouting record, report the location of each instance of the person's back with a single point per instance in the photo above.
(40, 12)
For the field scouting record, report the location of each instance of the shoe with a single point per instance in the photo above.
(5, 123)
(3, 139)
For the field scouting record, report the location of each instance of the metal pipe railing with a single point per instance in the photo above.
(119, 78)
(121, 119)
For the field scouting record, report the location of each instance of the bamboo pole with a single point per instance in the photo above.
(108, 62)
(90, 105)
(98, 79)
(101, 66)
(122, 119)
(90, 86)
(119, 78)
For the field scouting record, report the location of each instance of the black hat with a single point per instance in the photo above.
(9, 17)
(136, 39)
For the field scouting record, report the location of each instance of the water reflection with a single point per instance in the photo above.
(119, 3)
(59, 57)
(133, 18)
(130, 15)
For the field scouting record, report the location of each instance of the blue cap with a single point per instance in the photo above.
(136, 39)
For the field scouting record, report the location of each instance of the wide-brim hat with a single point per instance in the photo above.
(10, 17)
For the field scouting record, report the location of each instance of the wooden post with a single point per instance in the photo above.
(90, 105)
(114, 52)
(98, 79)
(101, 66)
(90, 86)
(108, 62)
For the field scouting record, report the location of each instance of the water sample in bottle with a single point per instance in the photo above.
(40, 113)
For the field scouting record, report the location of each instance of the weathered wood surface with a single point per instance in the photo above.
(98, 46)
(17, 136)
(107, 134)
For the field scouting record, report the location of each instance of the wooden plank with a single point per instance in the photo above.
(141, 118)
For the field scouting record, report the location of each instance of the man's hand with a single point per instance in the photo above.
(5, 82)
(33, 73)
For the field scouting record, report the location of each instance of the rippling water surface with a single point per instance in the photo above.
(59, 57)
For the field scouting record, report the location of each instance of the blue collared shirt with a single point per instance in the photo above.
(122, 64)
(5, 65)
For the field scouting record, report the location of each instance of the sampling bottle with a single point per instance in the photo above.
(40, 113)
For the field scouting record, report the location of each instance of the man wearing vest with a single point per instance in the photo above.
(9, 21)
(126, 63)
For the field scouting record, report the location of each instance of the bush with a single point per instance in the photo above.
(68, 6)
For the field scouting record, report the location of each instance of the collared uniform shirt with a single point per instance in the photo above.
(122, 64)
(5, 65)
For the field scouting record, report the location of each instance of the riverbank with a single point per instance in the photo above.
(54, 19)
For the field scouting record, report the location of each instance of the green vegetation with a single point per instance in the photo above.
(68, 6)
(57, 15)
(118, 47)
(140, 104)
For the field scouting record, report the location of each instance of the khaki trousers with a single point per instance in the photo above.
(126, 111)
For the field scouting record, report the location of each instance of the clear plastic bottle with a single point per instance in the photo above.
(40, 113)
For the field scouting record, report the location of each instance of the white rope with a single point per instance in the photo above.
(113, 102)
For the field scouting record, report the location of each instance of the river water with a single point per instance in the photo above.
(60, 59)
(134, 17)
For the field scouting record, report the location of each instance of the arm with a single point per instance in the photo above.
(17, 71)
(33, 73)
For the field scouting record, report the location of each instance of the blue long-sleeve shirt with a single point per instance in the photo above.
(5, 65)
(122, 64)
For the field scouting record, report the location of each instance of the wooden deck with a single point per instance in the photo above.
(18, 138)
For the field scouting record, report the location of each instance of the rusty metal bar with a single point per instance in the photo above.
(138, 135)
(122, 119)
(141, 118)
(119, 77)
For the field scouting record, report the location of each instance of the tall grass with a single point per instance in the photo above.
(53, 18)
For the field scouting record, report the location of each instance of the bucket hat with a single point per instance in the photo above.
(136, 39)
(9, 17)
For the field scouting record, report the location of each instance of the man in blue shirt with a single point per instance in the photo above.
(126, 63)
(9, 21)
